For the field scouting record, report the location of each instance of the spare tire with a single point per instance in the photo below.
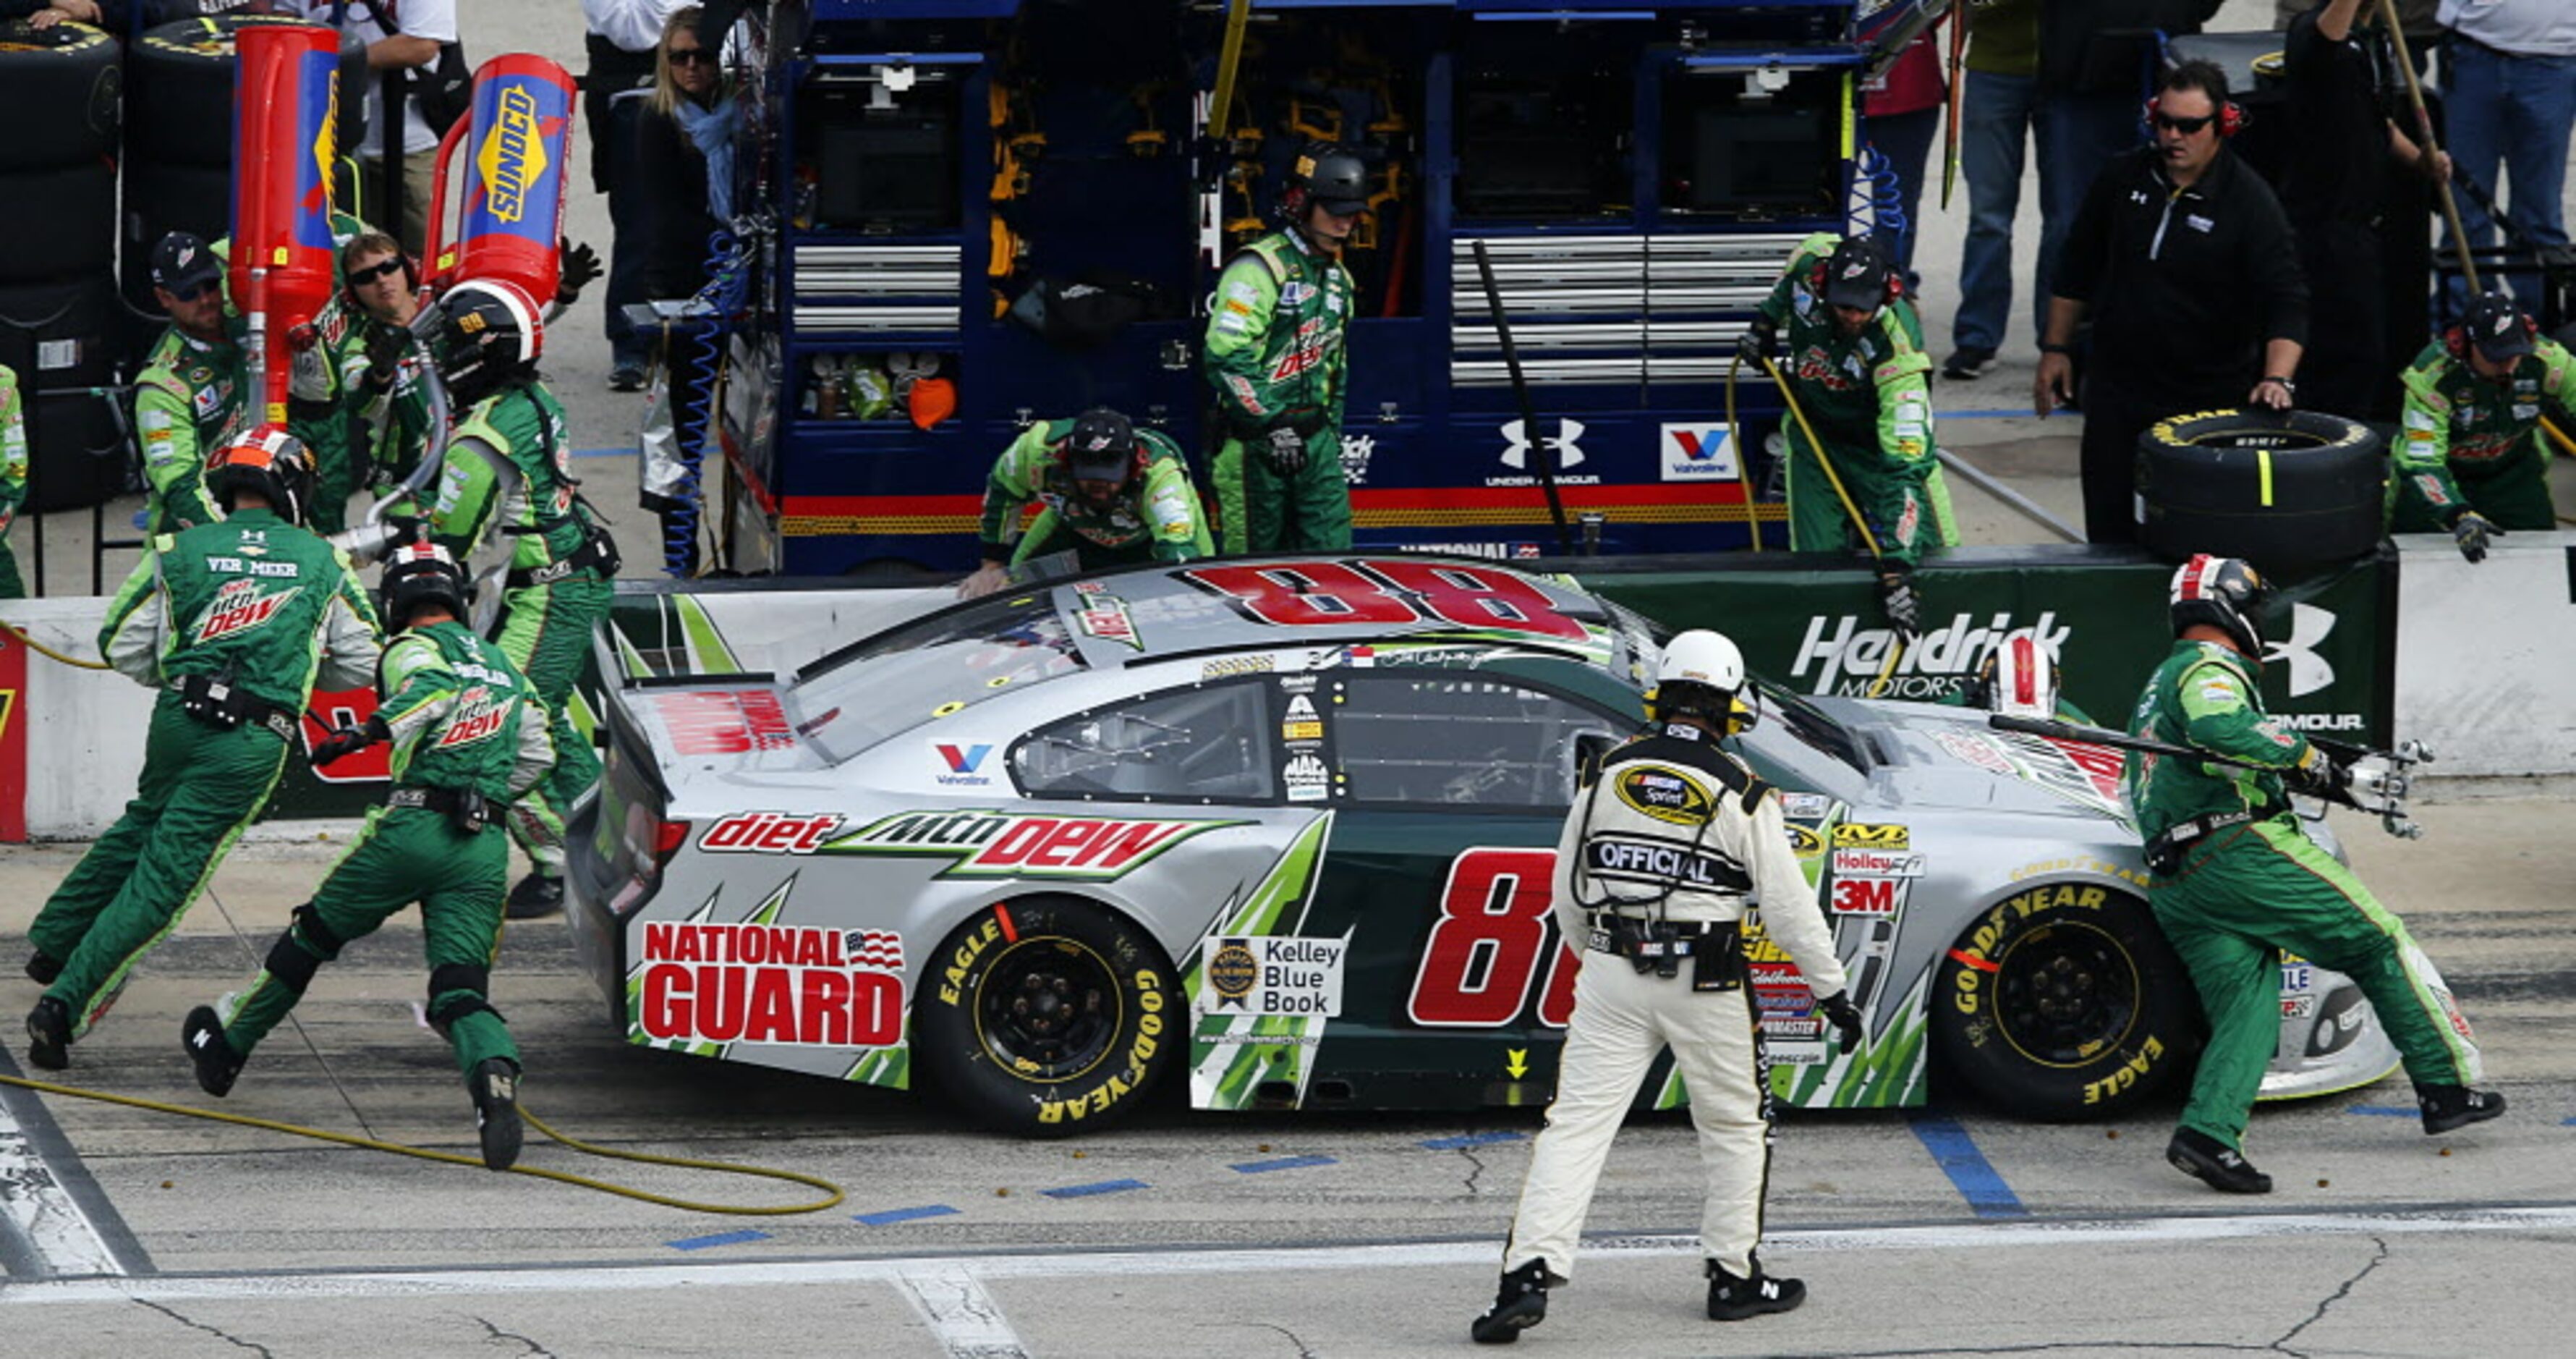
(58, 95)
(2281, 489)
(179, 104)
(59, 223)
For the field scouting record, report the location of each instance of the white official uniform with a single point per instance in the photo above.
(1674, 828)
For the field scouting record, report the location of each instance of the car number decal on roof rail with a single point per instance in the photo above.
(1394, 593)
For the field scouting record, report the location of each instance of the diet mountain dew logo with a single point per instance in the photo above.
(239, 607)
(479, 715)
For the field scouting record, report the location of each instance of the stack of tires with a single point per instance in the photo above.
(58, 313)
(179, 133)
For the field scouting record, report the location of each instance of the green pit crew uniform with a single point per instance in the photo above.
(462, 720)
(2469, 444)
(1277, 358)
(1871, 403)
(1154, 518)
(321, 412)
(2249, 883)
(390, 425)
(508, 471)
(191, 392)
(253, 603)
(13, 478)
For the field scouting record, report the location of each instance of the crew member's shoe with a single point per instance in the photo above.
(1520, 1304)
(1969, 363)
(626, 376)
(1734, 1299)
(495, 1085)
(42, 968)
(2456, 1106)
(217, 1064)
(2224, 1168)
(49, 1034)
(535, 895)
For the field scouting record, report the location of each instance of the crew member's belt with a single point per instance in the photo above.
(1660, 944)
(2165, 852)
(597, 552)
(465, 809)
(225, 706)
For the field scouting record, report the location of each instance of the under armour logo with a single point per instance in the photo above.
(1517, 444)
(2309, 671)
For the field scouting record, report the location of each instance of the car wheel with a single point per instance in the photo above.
(1046, 1016)
(2065, 1002)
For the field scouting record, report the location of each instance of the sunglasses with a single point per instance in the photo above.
(193, 291)
(372, 272)
(2185, 126)
(685, 56)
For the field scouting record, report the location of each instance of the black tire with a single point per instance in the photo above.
(986, 1032)
(76, 451)
(58, 95)
(60, 334)
(2282, 490)
(2065, 1002)
(162, 197)
(179, 100)
(58, 223)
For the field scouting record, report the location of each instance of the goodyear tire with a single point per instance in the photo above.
(73, 231)
(179, 102)
(58, 95)
(2282, 490)
(1047, 1016)
(2065, 1002)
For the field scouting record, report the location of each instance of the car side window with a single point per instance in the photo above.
(1457, 739)
(1205, 743)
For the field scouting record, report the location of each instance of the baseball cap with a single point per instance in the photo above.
(1101, 447)
(2497, 328)
(1856, 276)
(182, 263)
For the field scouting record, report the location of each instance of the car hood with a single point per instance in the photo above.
(1935, 756)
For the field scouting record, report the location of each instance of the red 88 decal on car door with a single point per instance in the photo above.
(1485, 949)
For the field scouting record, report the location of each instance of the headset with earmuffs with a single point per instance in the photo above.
(2456, 338)
(2232, 117)
(1740, 716)
(1138, 459)
(1893, 277)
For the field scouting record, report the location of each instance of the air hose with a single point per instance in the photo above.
(717, 301)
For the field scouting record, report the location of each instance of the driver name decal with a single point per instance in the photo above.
(993, 844)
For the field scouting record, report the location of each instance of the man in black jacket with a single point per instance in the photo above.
(2187, 265)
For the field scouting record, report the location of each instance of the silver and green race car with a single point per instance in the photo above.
(1286, 826)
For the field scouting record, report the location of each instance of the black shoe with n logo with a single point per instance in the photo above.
(217, 1064)
(1734, 1299)
(495, 1085)
(42, 968)
(2213, 1162)
(2456, 1106)
(1520, 1304)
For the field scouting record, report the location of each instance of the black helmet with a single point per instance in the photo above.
(2226, 593)
(1101, 447)
(1858, 275)
(487, 333)
(418, 574)
(268, 462)
(1329, 175)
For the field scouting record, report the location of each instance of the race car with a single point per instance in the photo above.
(1288, 825)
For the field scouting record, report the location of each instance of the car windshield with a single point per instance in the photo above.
(854, 698)
(1794, 714)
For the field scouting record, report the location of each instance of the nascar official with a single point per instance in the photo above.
(1668, 845)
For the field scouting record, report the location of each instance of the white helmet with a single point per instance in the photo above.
(2020, 676)
(1700, 659)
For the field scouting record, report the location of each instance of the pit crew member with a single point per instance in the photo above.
(192, 386)
(1113, 495)
(2470, 457)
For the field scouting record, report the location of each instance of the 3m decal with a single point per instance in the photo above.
(1485, 949)
(1392, 592)
(995, 844)
(772, 984)
(1868, 896)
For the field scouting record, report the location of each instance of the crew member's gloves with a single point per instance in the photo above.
(580, 266)
(350, 740)
(1844, 1016)
(308, 377)
(1896, 595)
(1287, 451)
(2318, 774)
(386, 345)
(1761, 340)
(2471, 530)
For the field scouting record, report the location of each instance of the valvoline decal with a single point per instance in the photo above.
(517, 166)
(318, 107)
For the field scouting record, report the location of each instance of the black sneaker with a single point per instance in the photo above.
(535, 895)
(1968, 364)
(42, 968)
(2456, 1106)
(49, 1034)
(495, 1085)
(217, 1064)
(1734, 1299)
(626, 377)
(2222, 1167)
(1519, 1304)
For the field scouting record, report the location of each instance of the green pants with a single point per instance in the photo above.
(2513, 493)
(201, 786)
(2254, 890)
(334, 481)
(1818, 522)
(1267, 512)
(546, 632)
(12, 585)
(405, 854)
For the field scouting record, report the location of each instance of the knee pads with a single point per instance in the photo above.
(457, 990)
(301, 949)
